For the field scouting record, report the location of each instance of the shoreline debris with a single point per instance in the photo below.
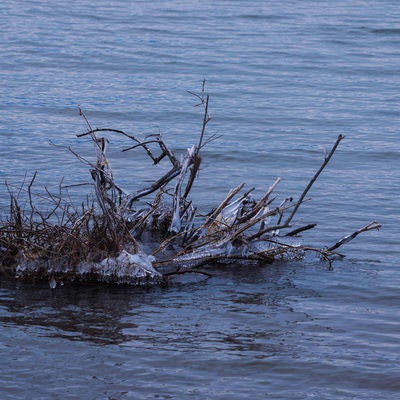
(100, 240)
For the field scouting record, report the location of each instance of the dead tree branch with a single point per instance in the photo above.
(99, 239)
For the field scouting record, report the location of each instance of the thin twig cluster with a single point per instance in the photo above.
(101, 239)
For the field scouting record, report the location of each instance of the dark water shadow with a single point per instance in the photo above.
(75, 312)
(228, 311)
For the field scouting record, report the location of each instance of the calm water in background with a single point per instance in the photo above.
(285, 78)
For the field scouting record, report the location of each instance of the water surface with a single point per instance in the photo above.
(285, 79)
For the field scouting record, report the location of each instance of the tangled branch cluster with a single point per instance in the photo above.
(101, 239)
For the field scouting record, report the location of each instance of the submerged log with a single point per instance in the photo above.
(101, 239)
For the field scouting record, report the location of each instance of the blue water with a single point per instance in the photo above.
(285, 79)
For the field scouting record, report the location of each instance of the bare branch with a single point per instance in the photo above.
(371, 226)
(313, 179)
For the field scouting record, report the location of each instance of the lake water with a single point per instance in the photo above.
(285, 78)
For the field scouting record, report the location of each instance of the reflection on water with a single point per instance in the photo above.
(72, 312)
(165, 317)
(242, 328)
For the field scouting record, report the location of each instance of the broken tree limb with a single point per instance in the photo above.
(371, 226)
(313, 179)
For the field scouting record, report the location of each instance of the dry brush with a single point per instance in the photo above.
(100, 240)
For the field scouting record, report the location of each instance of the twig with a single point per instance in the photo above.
(186, 271)
(372, 225)
(301, 229)
(206, 119)
(223, 204)
(313, 179)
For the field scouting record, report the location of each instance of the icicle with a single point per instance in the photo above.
(52, 283)
(176, 218)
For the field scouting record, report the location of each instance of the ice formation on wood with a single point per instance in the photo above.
(100, 240)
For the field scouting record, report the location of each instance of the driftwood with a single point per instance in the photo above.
(101, 240)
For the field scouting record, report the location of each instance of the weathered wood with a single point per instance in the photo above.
(100, 240)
